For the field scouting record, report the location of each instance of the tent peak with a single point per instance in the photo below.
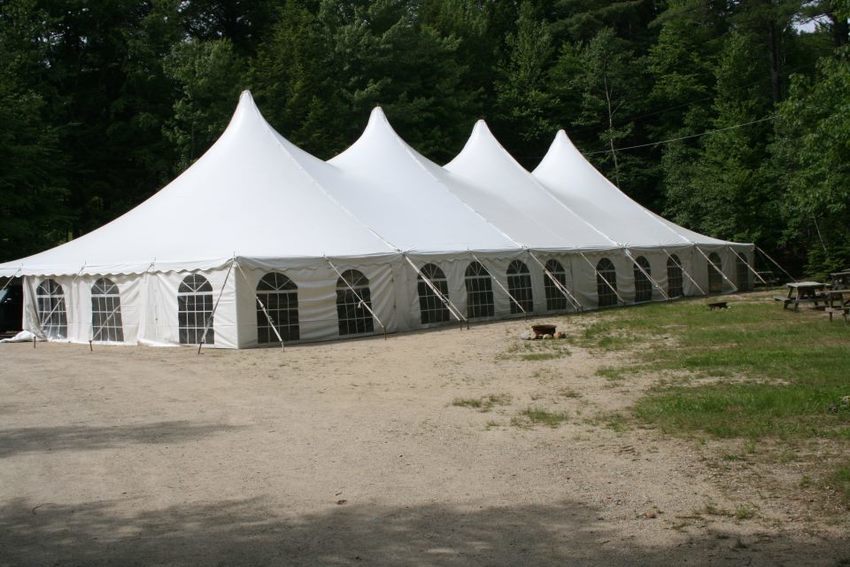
(377, 114)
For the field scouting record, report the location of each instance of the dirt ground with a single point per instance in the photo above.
(353, 453)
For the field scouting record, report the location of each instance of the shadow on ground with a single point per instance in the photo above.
(245, 533)
(75, 438)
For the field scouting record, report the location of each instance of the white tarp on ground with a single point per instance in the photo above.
(255, 204)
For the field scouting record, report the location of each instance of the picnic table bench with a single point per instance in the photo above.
(804, 292)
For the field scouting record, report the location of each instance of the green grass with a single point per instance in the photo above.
(613, 373)
(841, 480)
(538, 416)
(540, 356)
(782, 374)
(754, 371)
(484, 403)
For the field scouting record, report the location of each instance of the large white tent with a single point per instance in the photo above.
(259, 242)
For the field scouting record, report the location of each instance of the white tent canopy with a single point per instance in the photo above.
(576, 183)
(259, 242)
(492, 182)
(403, 196)
(253, 194)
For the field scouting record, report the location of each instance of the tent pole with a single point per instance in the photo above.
(678, 265)
(561, 287)
(263, 307)
(215, 307)
(446, 301)
(357, 295)
(645, 273)
(13, 276)
(775, 263)
(604, 279)
(498, 283)
(41, 320)
(734, 287)
(747, 264)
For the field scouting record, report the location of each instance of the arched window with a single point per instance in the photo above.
(643, 287)
(519, 286)
(194, 309)
(479, 292)
(352, 314)
(280, 298)
(605, 272)
(555, 300)
(431, 308)
(742, 272)
(50, 304)
(715, 279)
(106, 312)
(674, 277)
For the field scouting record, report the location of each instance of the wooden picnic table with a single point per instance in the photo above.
(804, 292)
(840, 280)
(837, 297)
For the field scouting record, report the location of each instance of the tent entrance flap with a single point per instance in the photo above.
(455, 312)
(678, 265)
(716, 267)
(558, 285)
(498, 283)
(357, 295)
(604, 279)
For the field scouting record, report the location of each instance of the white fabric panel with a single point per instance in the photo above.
(573, 180)
(232, 201)
(160, 323)
(317, 309)
(486, 177)
(256, 201)
(403, 196)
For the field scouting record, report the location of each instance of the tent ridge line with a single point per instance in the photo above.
(268, 129)
(439, 182)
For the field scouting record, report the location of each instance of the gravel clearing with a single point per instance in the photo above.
(359, 453)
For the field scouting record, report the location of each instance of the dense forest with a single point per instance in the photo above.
(731, 117)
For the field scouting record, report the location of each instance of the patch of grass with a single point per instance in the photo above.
(785, 370)
(614, 421)
(485, 403)
(535, 356)
(745, 512)
(841, 480)
(569, 393)
(613, 373)
(539, 416)
(467, 402)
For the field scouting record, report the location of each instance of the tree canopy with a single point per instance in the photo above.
(732, 118)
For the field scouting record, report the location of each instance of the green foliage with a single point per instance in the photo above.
(814, 144)
(208, 76)
(103, 102)
(538, 416)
